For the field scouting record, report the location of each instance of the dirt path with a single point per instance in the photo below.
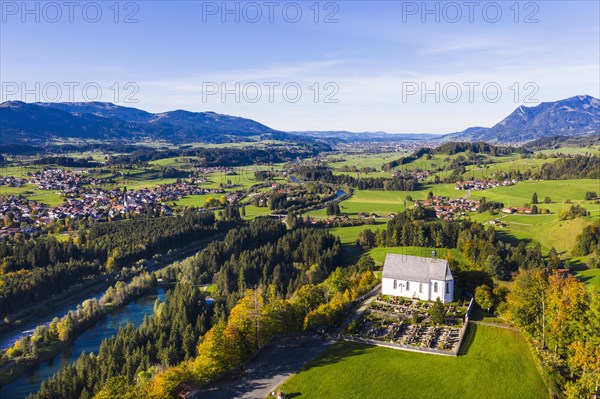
(366, 301)
(268, 370)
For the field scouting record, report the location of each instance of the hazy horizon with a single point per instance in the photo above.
(357, 66)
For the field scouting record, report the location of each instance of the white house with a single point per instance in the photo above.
(417, 277)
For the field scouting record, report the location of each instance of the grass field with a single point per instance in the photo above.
(254, 211)
(380, 202)
(557, 190)
(367, 160)
(548, 230)
(591, 277)
(348, 234)
(196, 200)
(572, 150)
(545, 229)
(378, 254)
(497, 364)
(49, 197)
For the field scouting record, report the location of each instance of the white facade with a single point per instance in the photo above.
(416, 290)
(414, 277)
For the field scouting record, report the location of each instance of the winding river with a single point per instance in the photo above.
(89, 341)
(9, 338)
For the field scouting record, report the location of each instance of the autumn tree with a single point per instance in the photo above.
(567, 303)
(584, 359)
(527, 303)
(484, 297)
(250, 319)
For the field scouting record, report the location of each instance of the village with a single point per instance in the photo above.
(476, 185)
(84, 199)
(450, 209)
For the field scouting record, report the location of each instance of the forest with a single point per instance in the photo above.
(35, 269)
(226, 157)
(325, 175)
(263, 260)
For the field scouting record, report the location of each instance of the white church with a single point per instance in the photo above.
(417, 278)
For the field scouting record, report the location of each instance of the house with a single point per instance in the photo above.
(417, 277)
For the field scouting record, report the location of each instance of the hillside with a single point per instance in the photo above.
(40, 122)
(574, 116)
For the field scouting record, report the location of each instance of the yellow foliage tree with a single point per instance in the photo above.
(567, 303)
(165, 383)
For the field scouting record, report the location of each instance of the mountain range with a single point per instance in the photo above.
(36, 123)
(574, 116)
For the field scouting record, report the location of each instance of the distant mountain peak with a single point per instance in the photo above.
(573, 116)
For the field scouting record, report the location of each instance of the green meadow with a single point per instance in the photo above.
(366, 160)
(378, 254)
(557, 190)
(348, 234)
(49, 197)
(590, 278)
(350, 370)
(546, 229)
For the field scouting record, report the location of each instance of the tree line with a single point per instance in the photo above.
(479, 247)
(588, 241)
(325, 175)
(227, 157)
(562, 319)
(35, 269)
(453, 148)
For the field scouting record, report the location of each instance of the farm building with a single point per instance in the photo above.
(417, 277)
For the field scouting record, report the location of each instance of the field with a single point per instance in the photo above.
(557, 190)
(591, 278)
(50, 197)
(546, 229)
(380, 202)
(348, 234)
(367, 160)
(497, 364)
(378, 254)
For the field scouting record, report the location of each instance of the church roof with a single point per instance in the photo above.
(416, 268)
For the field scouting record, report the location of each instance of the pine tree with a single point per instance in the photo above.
(534, 199)
(437, 312)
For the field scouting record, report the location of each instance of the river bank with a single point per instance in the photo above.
(47, 337)
(44, 312)
(12, 375)
(88, 341)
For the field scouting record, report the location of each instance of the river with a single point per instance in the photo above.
(9, 338)
(89, 341)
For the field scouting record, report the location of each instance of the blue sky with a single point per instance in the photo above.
(354, 65)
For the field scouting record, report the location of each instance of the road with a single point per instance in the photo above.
(366, 301)
(268, 370)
